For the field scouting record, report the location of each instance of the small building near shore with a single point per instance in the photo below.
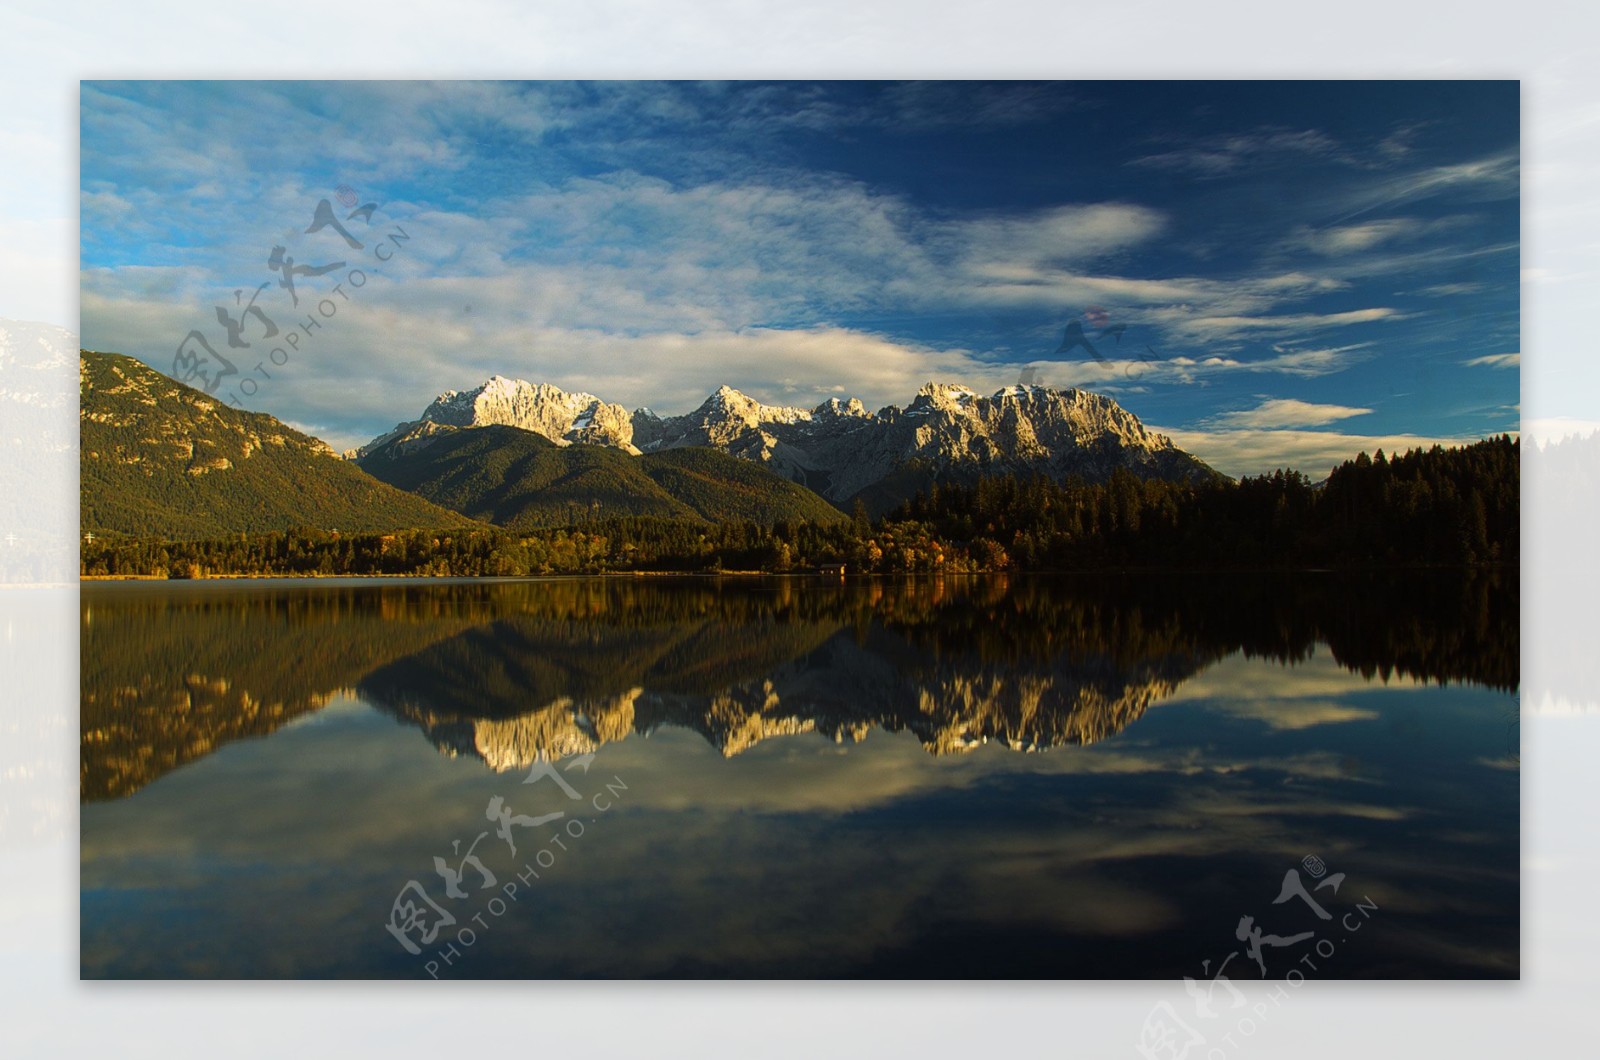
(832, 568)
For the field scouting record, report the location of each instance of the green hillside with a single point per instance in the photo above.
(161, 459)
(721, 487)
(517, 479)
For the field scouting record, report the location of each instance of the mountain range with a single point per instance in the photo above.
(162, 459)
(839, 450)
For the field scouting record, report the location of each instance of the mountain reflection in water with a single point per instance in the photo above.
(822, 778)
(509, 670)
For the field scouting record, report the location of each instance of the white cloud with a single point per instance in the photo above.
(1492, 177)
(1203, 327)
(1058, 235)
(1339, 240)
(1287, 412)
(1133, 375)
(1217, 156)
(1307, 363)
(1349, 239)
(1447, 290)
(1495, 360)
(626, 251)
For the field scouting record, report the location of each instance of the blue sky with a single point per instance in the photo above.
(1301, 269)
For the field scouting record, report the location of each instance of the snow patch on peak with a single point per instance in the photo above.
(729, 403)
(953, 391)
(1022, 390)
(538, 407)
(835, 407)
(949, 396)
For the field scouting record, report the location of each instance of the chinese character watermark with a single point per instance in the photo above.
(416, 919)
(199, 362)
(1089, 332)
(1166, 1035)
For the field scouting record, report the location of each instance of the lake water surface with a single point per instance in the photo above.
(966, 778)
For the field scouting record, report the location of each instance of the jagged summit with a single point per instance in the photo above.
(562, 417)
(949, 432)
(835, 407)
(727, 401)
(943, 396)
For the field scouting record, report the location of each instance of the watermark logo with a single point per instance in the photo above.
(199, 363)
(416, 920)
(1089, 332)
(1099, 321)
(1166, 1035)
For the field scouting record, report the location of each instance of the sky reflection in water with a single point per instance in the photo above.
(981, 778)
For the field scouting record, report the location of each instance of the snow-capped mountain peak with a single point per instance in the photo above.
(547, 410)
(730, 403)
(949, 432)
(945, 395)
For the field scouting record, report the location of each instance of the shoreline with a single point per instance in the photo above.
(829, 577)
(489, 577)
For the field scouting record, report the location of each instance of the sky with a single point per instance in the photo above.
(1272, 273)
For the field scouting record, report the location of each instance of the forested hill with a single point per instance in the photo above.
(1435, 507)
(1449, 508)
(517, 479)
(162, 459)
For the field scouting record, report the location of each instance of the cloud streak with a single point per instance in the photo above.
(1287, 412)
(1495, 360)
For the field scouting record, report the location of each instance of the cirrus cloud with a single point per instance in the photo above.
(1287, 412)
(1495, 360)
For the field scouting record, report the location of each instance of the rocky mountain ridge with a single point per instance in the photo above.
(545, 410)
(839, 449)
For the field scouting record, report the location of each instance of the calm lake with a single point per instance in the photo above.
(983, 777)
